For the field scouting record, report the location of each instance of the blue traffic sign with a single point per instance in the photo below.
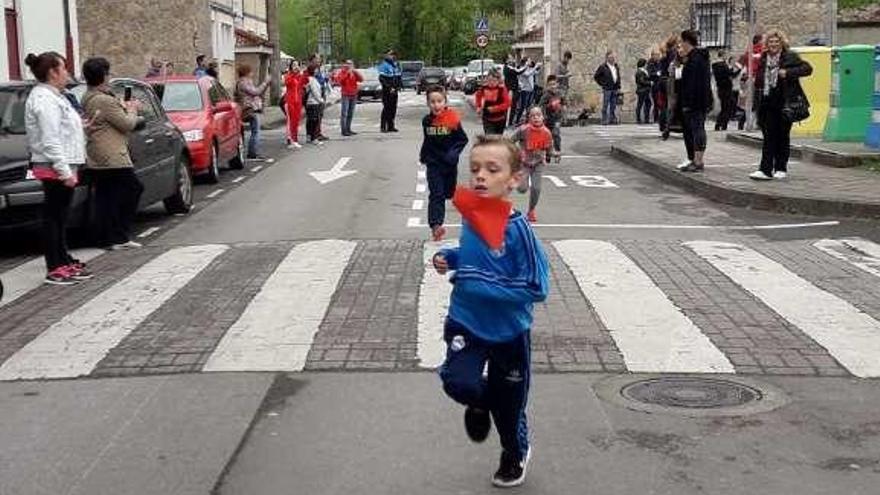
(481, 25)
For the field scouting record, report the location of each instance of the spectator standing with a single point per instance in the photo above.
(781, 102)
(155, 69)
(314, 106)
(249, 97)
(201, 69)
(607, 76)
(348, 79)
(511, 80)
(117, 188)
(294, 85)
(212, 70)
(724, 74)
(643, 92)
(526, 80)
(694, 100)
(390, 76)
(563, 73)
(56, 145)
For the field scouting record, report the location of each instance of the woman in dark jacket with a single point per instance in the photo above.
(694, 99)
(778, 88)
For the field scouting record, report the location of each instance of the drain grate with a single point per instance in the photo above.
(691, 393)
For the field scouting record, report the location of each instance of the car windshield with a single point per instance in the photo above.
(12, 101)
(434, 72)
(411, 66)
(480, 66)
(181, 97)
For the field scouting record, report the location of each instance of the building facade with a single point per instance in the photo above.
(630, 28)
(36, 27)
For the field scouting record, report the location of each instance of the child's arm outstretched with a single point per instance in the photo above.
(446, 260)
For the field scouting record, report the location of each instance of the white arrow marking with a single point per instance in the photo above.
(334, 173)
(555, 180)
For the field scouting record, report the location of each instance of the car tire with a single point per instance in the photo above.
(181, 201)
(213, 173)
(237, 161)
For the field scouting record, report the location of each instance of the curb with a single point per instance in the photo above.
(811, 153)
(750, 199)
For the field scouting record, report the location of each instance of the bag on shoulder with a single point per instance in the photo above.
(247, 111)
(796, 108)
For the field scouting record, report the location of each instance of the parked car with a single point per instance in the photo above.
(410, 72)
(430, 76)
(209, 119)
(370, 86)
(456, 82)
(476, 72)
(158, 150)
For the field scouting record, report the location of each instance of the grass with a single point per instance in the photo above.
(852, 4)
(872, 165)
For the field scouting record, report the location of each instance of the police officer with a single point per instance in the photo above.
(390, 78)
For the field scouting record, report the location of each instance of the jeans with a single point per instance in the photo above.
(609, 106)
(348, 105)
(504, 393)
(253, 147)
(694, 130)
(523, 104)
(643, 108)
(313, 121)
(441, 187)
(56, 209)
(117, 194)
(777, 141)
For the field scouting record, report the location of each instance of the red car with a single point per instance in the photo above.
(208, 118)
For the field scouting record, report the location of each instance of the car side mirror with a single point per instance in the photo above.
(223, 106)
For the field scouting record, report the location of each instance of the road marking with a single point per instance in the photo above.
(653, 334)
(420, 188)
(76, 344)
(636, 226)
(336, 172)
(414, 222)
(214, 194)
(418, 204)
(276, 330)
(433, 306)
(28, 276)
(593, 181)
(555, 180)
(147, 233)
(850, 335)
(238, 179)
(256, 169)
(861, 253)
(422, 175)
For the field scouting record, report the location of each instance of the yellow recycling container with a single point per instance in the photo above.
(818, 90)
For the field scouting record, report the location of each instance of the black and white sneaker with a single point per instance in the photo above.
(511, 471)
(477, 424)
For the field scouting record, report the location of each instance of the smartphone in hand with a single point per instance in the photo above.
(127, 94)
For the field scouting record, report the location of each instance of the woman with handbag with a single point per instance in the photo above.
(249, 97)
(782, 102)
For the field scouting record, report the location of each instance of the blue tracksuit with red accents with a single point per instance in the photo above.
(444, 141)
(490, 316)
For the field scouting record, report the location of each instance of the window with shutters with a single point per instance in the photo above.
(713, 19)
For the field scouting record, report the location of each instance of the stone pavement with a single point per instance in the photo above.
(811, 188)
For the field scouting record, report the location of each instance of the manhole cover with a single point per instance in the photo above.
(690, 395)
(691, 392)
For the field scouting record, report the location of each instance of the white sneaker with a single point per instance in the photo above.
(683, 165)
(758, 175)
(780, 175)
(126, 245)
(294, 146)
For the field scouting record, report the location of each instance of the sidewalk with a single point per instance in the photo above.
(816, 150)
(811, 188)
(274, 118)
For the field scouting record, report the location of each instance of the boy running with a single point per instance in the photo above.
(493, 101)
(553, 104)
(536, 143)
(490, 311)
(444, 140)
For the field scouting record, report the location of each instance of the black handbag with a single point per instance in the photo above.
(796, 107)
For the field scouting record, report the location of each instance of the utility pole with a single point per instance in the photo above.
(345, 53)
(275, 41)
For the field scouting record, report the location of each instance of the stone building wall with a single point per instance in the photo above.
(588, 28)
(129, 33)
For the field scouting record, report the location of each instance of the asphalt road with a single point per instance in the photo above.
(280, 339)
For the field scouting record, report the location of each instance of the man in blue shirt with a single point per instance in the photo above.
(201, 67)
(390, 78)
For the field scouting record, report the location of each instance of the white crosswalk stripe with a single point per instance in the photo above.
(849, 335)
(28, 276)
(433, 306)
(73, 346)
(276, 330)
(653, 335)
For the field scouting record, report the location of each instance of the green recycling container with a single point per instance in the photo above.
(852, 90)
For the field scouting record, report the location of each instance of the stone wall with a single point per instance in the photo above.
(588, 28)
(129, 33)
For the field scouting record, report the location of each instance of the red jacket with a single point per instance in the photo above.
(348, 81)
(294, 84)
(493, 102)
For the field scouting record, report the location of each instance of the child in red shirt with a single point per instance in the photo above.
(536, 148)
(294, 82)
(493, 101)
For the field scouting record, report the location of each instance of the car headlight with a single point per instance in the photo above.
(194, 135)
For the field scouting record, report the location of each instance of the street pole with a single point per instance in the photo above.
(750, 88)
(275, 41)
(345, 29)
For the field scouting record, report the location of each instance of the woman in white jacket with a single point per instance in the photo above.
(56, 143)
(314, 107)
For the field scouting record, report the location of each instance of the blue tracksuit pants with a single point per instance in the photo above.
(504, 393)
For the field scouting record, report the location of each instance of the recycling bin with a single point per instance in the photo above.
(852, 91)
(872, 139)
(818, 90)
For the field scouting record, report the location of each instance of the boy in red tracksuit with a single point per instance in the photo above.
(347, 78)
(493, 101)
(294, 83)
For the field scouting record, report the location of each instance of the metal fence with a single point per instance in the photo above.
(714, 20)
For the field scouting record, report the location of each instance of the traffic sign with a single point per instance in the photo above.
(482, 25)
(482, 40)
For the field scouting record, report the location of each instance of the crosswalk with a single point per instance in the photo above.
(319, 298)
